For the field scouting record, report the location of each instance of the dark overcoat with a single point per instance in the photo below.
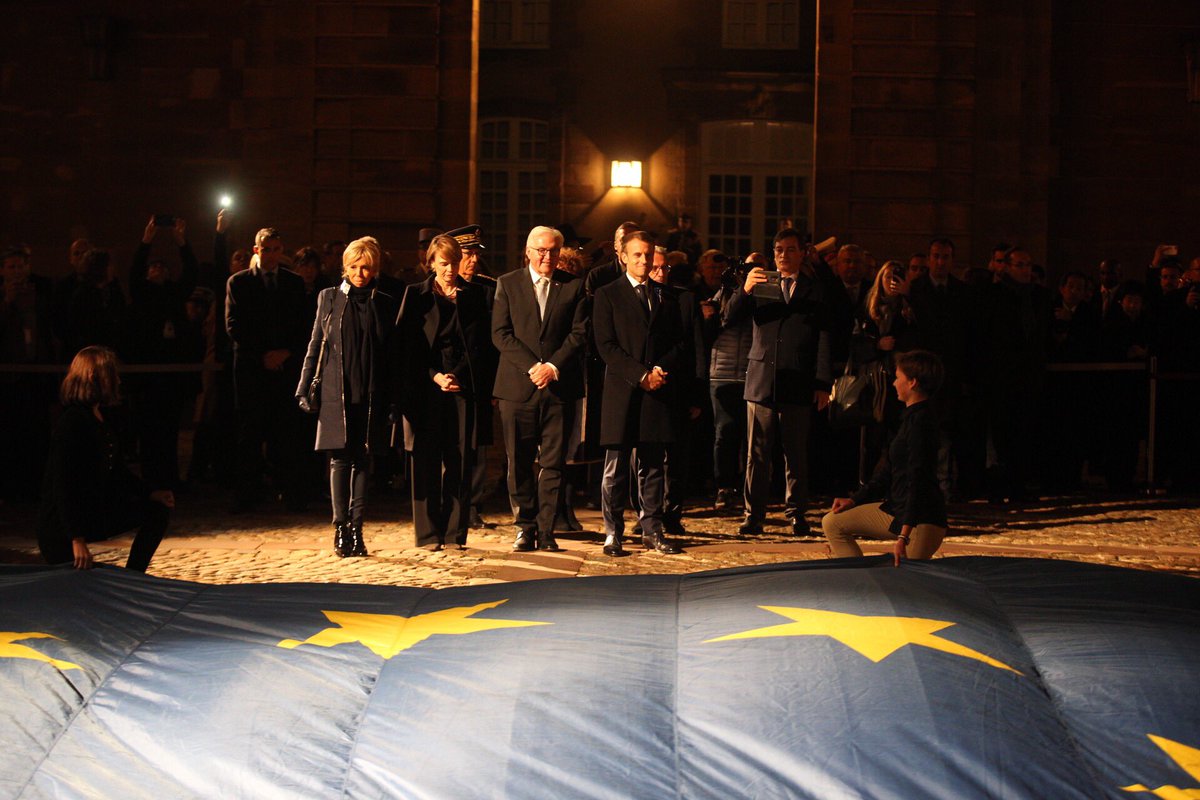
(416, 329)
(632, 340)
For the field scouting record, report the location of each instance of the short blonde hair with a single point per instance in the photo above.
(92, 379)
(366, 248)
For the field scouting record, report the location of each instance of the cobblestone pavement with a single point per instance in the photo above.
(208, 545)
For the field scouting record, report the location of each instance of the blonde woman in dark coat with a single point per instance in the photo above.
(354, 321)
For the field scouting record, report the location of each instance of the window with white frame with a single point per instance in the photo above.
(756, 179)
(761, 24)
(512, 186)
(514, 23)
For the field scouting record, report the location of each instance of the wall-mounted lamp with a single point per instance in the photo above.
(627, 174)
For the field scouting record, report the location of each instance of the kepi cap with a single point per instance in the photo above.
(469, 237)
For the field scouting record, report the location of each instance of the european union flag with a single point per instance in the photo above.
(957, 678)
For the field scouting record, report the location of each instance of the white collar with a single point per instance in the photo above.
(634, 282)
(537, 276)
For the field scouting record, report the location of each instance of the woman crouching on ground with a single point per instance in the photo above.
(350, 339)
(88, 494)
(913, 510)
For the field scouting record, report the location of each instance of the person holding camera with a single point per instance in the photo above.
(788, 374)
(348, 354)
(729, 344)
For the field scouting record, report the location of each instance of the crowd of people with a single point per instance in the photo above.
(640, 373)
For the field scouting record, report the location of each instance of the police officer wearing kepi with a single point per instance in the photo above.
(470, 269)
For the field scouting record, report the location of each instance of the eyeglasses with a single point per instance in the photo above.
(542, 252)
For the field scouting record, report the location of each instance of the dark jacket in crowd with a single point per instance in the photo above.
(790, 352)
(632, 340)
(26, 324)
(522, 340)
(487, 366)
(259, 321)
(1018, 330)
(88, 311)
(906, 480)
(1077, 338)
(86, 480)
(328, 326)
(729, 341)
(417, 327)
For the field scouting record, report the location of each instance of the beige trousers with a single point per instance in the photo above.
(868, 521)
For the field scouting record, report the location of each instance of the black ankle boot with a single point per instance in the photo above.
(357, 546)
(343, 542)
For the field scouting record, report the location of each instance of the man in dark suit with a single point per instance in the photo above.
(539, 326)
(946, 320)
(266, 321)
(607, 271)
(640, 335)
(787, 374)
(470, 239)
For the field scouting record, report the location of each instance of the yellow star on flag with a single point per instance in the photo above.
(10, 650)
(1188, 758)
(387, 634)
(874, 637)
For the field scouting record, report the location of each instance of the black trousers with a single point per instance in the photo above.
(267, 415)
(442, 459)
(350, 469)
(651, 485)
(120, 514)
(790, 425)
(536, 431)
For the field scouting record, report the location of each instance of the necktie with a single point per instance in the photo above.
(786, 285)
(641, 293)
(543, 290)
(270, 281)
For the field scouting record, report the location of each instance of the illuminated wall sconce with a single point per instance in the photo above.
(627, 174)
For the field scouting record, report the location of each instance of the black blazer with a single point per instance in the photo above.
(789, 353)
(85, 480)
(327, 328)
(907, 479)
(257, 323)
(416, 330)
(632, 341)
(523, 341)
(486, 369)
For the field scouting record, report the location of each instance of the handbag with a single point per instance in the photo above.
(310, 401)
(858, 394)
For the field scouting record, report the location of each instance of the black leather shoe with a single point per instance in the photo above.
(476, 521)
(525, 542)
(567, 520)
(750, 528)
(674, 526)
(615, 549)
(546, 542)
(358, 548)
(343, 543)
(800, 527)
(655, 541)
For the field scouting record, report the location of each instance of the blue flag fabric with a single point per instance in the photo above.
(957, 678)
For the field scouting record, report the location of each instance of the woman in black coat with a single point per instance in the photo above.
(351, 334)
(443, 335)
(908, 501)
(88, 493)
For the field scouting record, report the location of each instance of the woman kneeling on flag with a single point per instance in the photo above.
(913, 510)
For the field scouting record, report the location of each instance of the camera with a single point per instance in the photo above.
(164, 220)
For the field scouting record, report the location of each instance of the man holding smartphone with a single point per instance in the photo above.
(789, 372)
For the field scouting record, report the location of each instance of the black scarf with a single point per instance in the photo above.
(358, 340)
